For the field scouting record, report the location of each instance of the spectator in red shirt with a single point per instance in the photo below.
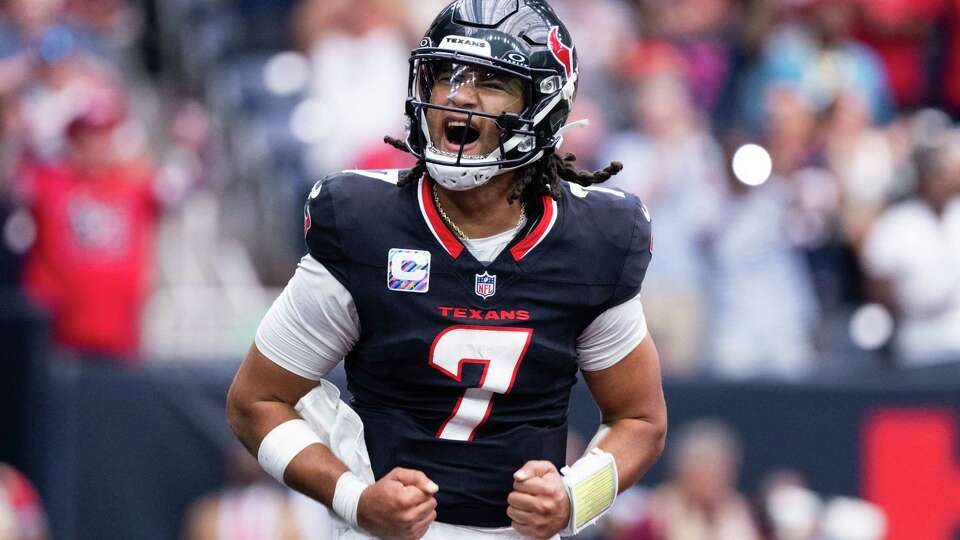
(948, 78)
(95, 217)
(902, 32)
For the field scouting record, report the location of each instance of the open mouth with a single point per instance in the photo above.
(457, 132)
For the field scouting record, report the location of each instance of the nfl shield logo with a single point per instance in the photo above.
(485, 285)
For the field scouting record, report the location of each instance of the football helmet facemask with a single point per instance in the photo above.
(517, 49)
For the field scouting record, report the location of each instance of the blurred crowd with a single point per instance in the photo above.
(108, 180)
(799, 157)
(776, 144)
(75, 191)
(253, 506)
(701, 499)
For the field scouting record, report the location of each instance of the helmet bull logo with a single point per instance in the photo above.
(561, 52)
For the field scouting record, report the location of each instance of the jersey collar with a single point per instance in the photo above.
(452, 245)
(549, 218)
(449, 241)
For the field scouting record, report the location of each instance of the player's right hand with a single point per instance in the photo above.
(399, 506)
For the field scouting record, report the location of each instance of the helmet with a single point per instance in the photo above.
(521, 41)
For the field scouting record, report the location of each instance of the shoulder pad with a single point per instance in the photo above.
(336, 205)
(319, 221)
(619, 225)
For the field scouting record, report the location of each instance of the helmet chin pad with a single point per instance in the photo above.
(457, 178)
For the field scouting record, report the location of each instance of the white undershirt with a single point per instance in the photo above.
(314, 324)
(486, 250)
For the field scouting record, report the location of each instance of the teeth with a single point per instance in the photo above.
(445, 153)
(457, 123)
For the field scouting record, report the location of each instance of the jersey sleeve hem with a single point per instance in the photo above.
(312, 325)
(613, 358)
(612, 336)
(284, 361)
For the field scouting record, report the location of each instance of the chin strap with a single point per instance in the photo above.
(582, 123)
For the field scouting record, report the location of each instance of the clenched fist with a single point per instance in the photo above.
(400, 506)
(539, 506)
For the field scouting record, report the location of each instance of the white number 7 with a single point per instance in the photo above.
(499, 350)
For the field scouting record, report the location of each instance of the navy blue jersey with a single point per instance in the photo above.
(463, 370)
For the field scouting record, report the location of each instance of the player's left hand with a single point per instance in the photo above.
(539, 507)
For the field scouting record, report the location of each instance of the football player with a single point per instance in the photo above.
(464, 295)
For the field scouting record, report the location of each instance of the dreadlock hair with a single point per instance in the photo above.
(537, 179)
(413, 174)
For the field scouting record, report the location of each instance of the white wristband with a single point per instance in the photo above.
(346, 497)
(591, 487)
(282, 444)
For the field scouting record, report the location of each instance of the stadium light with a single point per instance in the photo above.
(752, 164)
(871, 327)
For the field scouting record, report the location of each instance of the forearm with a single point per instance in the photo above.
(631, 401)
(635, 444)
(313, 472)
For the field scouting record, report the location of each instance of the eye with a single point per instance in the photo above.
(443, 73)
(494, 84)
(490, 79)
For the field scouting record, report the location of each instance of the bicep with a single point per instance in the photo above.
(260, 379)
(630, 388)
(261, 397)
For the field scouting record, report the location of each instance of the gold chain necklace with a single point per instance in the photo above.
(456, 230)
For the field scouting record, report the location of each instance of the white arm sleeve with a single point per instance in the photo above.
(312, 325)
(612, 335)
